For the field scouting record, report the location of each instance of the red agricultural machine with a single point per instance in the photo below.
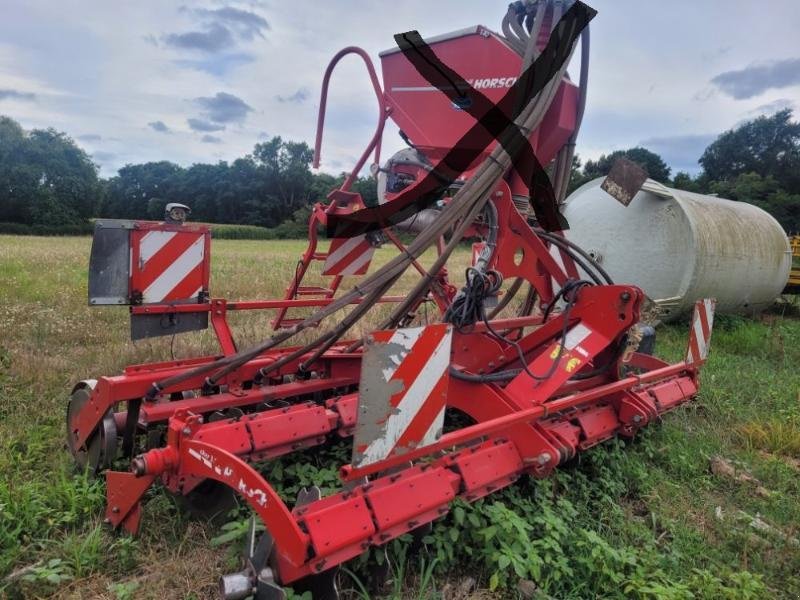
(538, 347)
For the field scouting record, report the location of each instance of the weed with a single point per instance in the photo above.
(625, 520)
(124, 590)
(54, 572)
(780, 437)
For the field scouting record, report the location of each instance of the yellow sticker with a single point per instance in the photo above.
(572, 364)
(554, 353)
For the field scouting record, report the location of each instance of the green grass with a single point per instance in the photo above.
(626, 519)
(240, 232)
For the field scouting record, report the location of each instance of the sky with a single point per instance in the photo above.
(205, 81)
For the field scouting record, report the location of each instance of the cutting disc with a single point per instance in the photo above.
(101, 446)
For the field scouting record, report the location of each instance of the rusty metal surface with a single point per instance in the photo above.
(624, 181)
(109, 263)
(402, 392)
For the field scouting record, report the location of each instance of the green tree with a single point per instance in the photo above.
(367, 187)
(684, 181)
(131, 193)
(204, 188)
(764, 192)
(768, 146)
(654, 165)
(287, 167)
(246, 195)
(45, 178)
(576, 177)
(758, 162)
(17, 184)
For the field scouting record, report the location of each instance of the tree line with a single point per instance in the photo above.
(757, 162)
(48, 181)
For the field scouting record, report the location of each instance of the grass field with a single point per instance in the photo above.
(644, 519)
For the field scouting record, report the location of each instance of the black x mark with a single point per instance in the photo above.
(493, 122)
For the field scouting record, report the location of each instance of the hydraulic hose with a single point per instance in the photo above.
(571, 249)
(465, 206)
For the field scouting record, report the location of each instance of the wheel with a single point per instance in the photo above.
(100, 448)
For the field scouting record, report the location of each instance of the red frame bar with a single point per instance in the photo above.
(154, 309)
(468, 434)
(312, 538)
(383, 113)
(161, 411)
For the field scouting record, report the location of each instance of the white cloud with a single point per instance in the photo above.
(92, 69)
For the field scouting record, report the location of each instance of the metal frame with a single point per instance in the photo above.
(523, 425)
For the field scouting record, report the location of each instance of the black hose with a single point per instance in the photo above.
(507, 297)
(569, 293)
(566, 245)
(465, 206)
(487, 378)
(467, 307)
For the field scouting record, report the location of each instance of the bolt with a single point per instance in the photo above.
(138, 466)
(115, 510)
(625, 296)
(637, 418)
(544, 458)
(186, 431)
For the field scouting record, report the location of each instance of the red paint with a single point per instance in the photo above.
(141, 276)
(523, 426)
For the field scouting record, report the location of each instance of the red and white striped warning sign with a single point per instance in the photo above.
(169, 265)
(403, 391)
(700, 335)
(349, 256)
